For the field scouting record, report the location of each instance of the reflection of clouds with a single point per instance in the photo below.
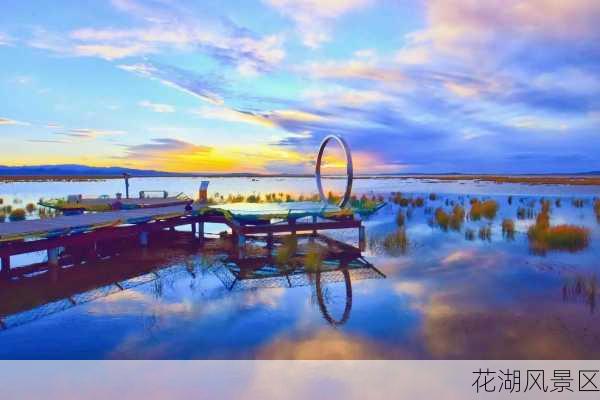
(267, 297)
(414, 289)
(326, 344)
(454, 330)
(459, 256)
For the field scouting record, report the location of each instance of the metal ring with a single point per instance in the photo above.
(349, 169)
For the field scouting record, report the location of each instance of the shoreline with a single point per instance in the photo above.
(569, 180)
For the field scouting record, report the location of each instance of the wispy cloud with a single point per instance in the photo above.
(89, 134)
(186, 81)
(8, 121)
(314, 18)
(157, 107)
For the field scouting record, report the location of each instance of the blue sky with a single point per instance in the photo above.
(438, 86)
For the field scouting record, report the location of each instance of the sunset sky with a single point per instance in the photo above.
(253, 86)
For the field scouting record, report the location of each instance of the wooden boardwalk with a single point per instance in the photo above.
(86, 230)
(35, 228)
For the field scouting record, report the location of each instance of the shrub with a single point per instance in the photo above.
(508, 228)
(17, 215)
(486, 209)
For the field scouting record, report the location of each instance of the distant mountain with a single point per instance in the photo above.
(78, 170)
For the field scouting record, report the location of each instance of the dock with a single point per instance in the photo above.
(53, 235)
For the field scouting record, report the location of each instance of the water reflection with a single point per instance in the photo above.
(295, 265)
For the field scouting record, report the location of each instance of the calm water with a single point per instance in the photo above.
(444, 297)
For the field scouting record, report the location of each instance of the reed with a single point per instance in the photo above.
(453, 220)
(597, 209)
(578, 203)
(433, 196)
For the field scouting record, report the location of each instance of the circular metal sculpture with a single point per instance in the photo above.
(349, 168)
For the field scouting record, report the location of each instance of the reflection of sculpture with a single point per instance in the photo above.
(323, 306)
(340, 263)
(349, 168)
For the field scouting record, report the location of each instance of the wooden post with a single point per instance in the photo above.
(201, 230)
(362, 238)
(53, 256)
(144, 239)
(4, 272)
(194, 229)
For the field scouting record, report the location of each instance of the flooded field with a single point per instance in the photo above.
(451, 269)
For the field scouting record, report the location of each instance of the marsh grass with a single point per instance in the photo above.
(525, 213)
(453, 220)
(485, 233)
(508, 229)
(469, 234)
(544, 237)
(286, 251)
(396, 243)
(17, 215)
(578, 203)
(30, 208)
(597, 209)
(486, 209)
(400, 218)
(313, 260)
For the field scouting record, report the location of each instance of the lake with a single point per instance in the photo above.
(441, 294)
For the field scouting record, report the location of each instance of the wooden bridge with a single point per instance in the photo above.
(86, 230)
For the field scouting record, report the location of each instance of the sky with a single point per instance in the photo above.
(496, 86)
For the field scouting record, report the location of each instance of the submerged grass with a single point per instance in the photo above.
(396, 243)
(508, 229)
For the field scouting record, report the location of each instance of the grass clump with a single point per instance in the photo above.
(597, 209)
(486, 209)
(453, 220)
(396, 243)
(508, 229)
(433, 196)
(544, 237)
(17, 215)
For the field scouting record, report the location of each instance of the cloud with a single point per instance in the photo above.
(163, 27)
(202, 87)
(5, 40)
(157, 107)
(313, 18)
(163, 147)
(8, 121)
(88, 134)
